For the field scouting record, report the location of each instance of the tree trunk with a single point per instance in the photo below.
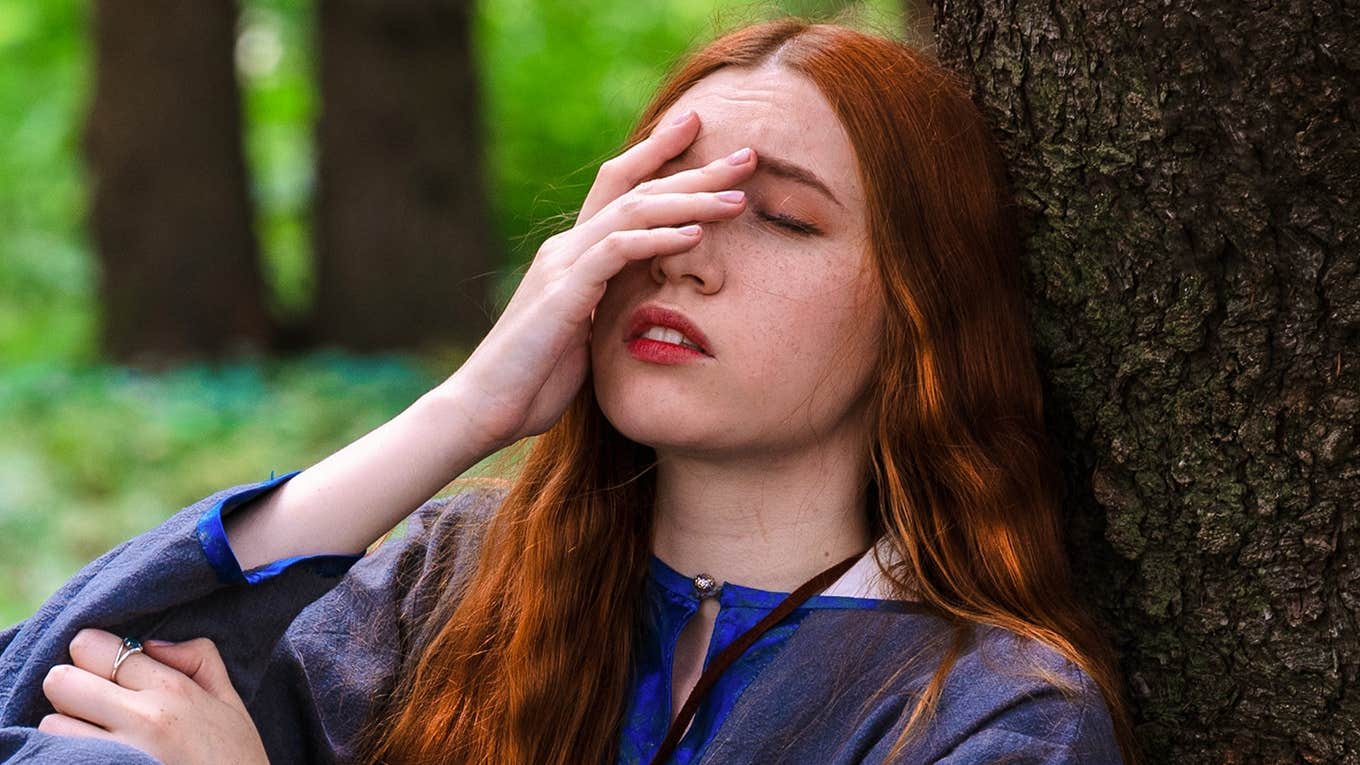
(404, 255)
(1189, 173)
(170, 211)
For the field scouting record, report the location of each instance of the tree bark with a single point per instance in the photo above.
(170, 210)
(1188, 173)
(404, 255)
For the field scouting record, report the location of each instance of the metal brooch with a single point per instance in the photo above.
(705, 586)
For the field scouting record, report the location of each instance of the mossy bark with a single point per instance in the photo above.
(1188, 174)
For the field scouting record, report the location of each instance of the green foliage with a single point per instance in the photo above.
(274, 59)
(564, 82)
(91, 455)
(46, 274)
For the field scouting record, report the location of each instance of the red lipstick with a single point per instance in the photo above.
(658, 351)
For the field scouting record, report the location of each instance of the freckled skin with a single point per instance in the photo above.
(792, 319)
(759, 448)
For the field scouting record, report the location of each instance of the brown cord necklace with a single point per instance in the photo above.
(706, 585)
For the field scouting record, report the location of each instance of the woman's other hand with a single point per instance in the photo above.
(174, 701)
(523, 375)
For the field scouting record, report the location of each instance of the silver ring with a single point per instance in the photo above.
(129, 646)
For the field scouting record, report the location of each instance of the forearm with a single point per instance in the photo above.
(348, 500)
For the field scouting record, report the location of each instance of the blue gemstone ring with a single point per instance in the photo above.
(130, 646)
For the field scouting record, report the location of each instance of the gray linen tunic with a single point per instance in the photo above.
(310, 646)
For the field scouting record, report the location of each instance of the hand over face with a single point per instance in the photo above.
(175, 702)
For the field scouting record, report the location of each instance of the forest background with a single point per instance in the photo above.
(95, 449)
(237, 237)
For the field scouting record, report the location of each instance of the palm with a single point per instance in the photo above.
(557, 391)
(530, 366)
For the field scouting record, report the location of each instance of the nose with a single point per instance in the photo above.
(697, 264)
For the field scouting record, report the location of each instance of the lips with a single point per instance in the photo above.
(650, 315)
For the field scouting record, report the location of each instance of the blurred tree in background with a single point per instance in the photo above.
(403, 244)
(171, 215)
(443, 181)
(401, 239)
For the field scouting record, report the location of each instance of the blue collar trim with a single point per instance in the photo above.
(670, 602)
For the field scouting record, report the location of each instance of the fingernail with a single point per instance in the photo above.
(739, 156)
(731, 196)
(157, 642)
(691, 230)
(682, 119)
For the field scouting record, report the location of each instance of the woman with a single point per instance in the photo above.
(798, 372)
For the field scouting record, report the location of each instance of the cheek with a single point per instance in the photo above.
(831, 344)
(828, 345)
(807, 377)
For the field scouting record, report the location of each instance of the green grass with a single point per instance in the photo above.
(94, 455)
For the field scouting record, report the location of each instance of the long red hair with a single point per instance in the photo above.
(528, 660)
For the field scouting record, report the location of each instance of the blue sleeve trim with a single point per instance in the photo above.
(213, 538)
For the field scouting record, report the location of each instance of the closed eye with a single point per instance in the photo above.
(789, 222)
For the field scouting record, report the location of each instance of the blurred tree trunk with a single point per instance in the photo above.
(1189, 174)
(404, 255)
(170, 211)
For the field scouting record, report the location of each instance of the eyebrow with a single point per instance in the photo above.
(782, 168)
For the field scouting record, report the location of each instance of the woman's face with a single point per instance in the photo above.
(792, 319)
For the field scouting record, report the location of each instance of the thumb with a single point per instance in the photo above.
(201, 661)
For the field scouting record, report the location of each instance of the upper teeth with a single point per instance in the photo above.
(668, 335)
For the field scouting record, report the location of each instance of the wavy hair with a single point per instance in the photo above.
(528, 661)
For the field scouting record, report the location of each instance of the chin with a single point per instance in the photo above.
(659, 406)
(658, 421)
(653, 424)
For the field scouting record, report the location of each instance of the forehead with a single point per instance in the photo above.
(777, 113)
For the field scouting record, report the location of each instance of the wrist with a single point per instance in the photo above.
(455, 403)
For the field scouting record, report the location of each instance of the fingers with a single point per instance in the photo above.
(606, 258)
(76, 692)
(93, 650)
(200, 661)
(699, 194)
(623, 172)
(645, 210)
(718, 174)
(62, 725)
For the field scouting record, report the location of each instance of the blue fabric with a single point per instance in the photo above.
(309, 653)
(671, 602)
(213, 537)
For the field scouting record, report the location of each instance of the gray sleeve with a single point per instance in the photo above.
(347, 650)
(998, 716)
(1044, 729)
(162, 584)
